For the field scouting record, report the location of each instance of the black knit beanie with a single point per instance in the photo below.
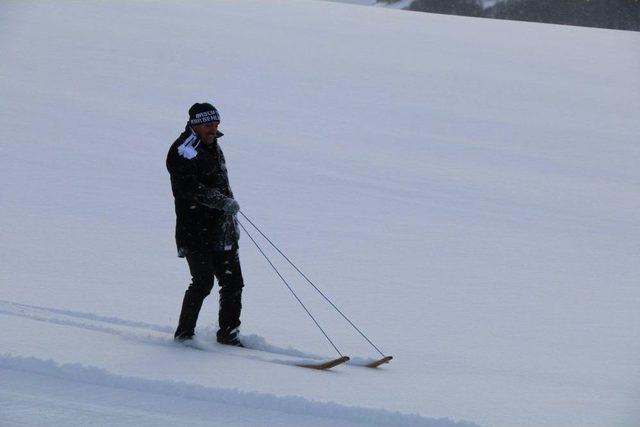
(203, 113)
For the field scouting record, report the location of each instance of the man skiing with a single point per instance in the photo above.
(206, 226)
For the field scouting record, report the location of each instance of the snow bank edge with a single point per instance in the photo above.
(287, 404)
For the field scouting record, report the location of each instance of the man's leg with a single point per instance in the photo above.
(229, 277)
(202, 270)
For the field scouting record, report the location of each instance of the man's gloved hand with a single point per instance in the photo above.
(230, 206)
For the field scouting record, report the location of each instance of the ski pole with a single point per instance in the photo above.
(290, 289)
(311, 283)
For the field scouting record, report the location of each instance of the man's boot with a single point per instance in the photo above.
(229, 336)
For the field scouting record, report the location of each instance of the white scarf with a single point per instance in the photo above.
(188, 148)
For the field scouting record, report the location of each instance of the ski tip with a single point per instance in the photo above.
(379, 362)
(326, 365)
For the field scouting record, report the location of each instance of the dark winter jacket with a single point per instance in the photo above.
(200, 187)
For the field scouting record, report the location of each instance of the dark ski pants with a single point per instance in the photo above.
(204, 267)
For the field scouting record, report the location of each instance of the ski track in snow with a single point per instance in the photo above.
(16, 403)
(156, 334)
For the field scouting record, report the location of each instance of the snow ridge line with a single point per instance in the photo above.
(287, 404)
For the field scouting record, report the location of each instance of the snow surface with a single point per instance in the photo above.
(467, 190)
(359, 2)
(397, 5)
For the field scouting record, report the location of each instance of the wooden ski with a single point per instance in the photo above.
(325, 365)
(379, 362)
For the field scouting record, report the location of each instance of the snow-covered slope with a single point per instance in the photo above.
(468, 190)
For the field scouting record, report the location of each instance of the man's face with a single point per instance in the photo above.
(207, 131)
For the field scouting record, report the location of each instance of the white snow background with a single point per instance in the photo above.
(467, 190)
